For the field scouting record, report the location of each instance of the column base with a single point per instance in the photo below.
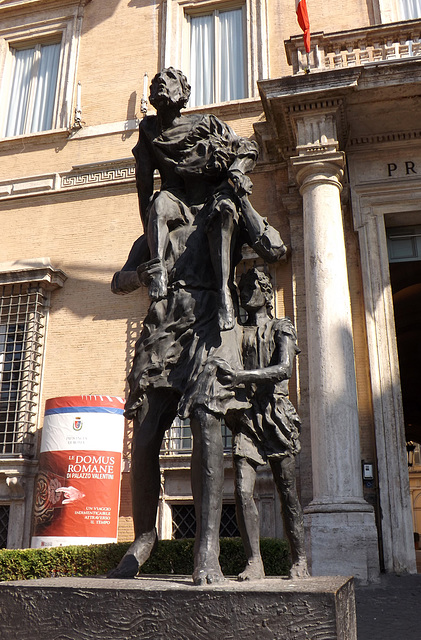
(342, 540)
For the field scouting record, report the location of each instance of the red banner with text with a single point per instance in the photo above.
(78, 486)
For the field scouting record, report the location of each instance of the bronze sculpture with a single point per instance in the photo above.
(269, 429)
(195, 227)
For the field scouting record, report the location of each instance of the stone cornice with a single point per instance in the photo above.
(341, 92)
(292, 98)
(35, 270)
(33, 5)
(382, 139)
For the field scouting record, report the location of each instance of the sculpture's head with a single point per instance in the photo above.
(169, 88)
(256, 290)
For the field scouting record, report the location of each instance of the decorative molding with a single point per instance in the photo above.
(79, 177)
(371, 200)
(269, 149)
(16, 485)
(84, 176)
(26, 4)
(236, 109)
(99, 173)
(39, 270)
(394, 136)
(375, 44)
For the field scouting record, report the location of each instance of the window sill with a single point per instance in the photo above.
(39, 136)
(231, 108)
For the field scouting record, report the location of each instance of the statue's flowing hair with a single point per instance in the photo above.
(255, 275)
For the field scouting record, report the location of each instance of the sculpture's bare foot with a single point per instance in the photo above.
(226, 313)
(299, 569)
(254, 570)
(136, 555)
(207, 570)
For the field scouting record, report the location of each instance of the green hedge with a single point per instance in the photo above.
(171, 556)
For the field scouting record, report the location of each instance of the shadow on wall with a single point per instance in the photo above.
(92, 298)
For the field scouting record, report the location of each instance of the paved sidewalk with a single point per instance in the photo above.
(390, 610)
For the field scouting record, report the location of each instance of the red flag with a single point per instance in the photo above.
(303, 21)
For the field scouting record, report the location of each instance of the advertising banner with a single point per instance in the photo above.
(78, 486)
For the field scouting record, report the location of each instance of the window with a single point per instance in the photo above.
(25, 289)
(218, 44)
(4, 524)
(217, 57)
(404, 244)
(38, 59)
(179, 438)
(184, 522)
(410, 9)
(33, 89)
(21, 333)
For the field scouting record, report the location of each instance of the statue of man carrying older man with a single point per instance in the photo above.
(194, 229)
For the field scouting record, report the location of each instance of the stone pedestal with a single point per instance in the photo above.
(174, 609)
(344, 535)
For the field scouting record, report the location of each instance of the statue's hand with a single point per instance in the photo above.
(147, 270)
(242, 183)
(226, 375)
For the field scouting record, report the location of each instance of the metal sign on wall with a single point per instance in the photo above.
(78, 486)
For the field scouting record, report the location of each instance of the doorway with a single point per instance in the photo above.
(404, 249)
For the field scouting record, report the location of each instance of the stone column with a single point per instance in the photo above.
(340, 525)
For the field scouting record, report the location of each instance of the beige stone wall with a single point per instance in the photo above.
(87, 232)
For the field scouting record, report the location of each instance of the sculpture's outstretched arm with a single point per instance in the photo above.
(275, 373)
(127, 280)
(264, 239)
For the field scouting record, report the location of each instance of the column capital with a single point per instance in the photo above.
(320, 168)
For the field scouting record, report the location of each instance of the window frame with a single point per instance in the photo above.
(32, 85)
(25, 291)
(176, 36)
(23, 314)
(386, 11)
(30, 33)
(215, 13)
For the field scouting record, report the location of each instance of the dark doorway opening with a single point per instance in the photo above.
(404, 245)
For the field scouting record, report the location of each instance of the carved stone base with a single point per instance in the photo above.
(342, 541)
(171, 608)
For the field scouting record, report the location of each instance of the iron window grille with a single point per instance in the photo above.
(4, 524)
(184, 521)
(22, 324)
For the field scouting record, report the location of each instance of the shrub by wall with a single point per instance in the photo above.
(170, 557)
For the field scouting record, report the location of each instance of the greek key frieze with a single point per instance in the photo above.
(69, 181)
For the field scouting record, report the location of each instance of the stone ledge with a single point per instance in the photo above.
(172, 608)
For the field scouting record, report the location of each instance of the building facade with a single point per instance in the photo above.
(338, 175)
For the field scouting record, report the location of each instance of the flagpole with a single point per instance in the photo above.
(303, 21)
